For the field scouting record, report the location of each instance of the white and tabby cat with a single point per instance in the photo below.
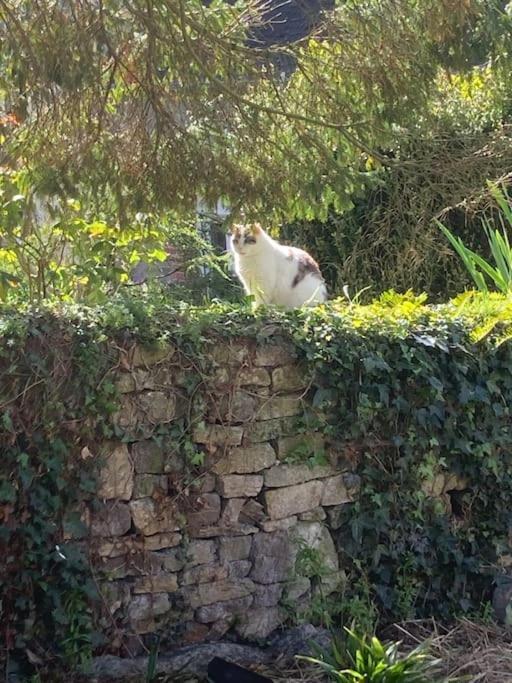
(274, 273)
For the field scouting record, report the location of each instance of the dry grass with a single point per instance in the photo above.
(470, 652)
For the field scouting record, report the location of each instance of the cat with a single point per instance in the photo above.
(274, 273)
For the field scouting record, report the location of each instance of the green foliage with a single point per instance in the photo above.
(360, 659)
(51, 249)
(500, 275)
(409, 391)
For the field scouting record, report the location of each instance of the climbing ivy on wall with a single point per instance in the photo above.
(408, 392)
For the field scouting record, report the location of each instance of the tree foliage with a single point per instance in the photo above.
(152, 103)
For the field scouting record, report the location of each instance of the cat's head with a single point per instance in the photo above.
(245, 238)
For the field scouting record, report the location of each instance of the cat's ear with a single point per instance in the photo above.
(256, 229)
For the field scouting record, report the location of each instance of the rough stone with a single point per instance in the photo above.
(207, 483)
(280, 406)
(290, 378)
(158, 407)
(502, 600)
(159, 583)
(208, 511)
(268, 595)
(240, 406)
(271, 556)
(223, 611)
(152, 517)
(298, 587)
(143, 607)
(138, 563)
(110, 519)
(116, 472)
(246, 460)
(145, 356)
(279, 524)
(231, 511)
(148, 457)
(237, 548)
(443, 482)
(273, 354)
(316, 536)
(240, 485)
(288, 475)
(235, 353)
(201, 552)
(293, 500)
(159, 541)
(259, 623)
(126, 418)
(223, 530)
(173, 560)
(239, 569)
(316, 515)
(115, 547)
(252, 512)
(194, 633)
(256, 432)
(204, 573)
(335, 492)
(114, 594)
(250, 376)
(145, 485)
(218, 435)
(219, 591)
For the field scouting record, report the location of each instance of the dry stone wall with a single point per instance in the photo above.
(195, 553)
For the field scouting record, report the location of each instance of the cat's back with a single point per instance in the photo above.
(301, 278)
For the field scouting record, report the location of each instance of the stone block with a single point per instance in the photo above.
(192, 632)
(152, 517)
(231, 511)
(239, 569)
(246, 460)
(237, 548)
(235, 353)
(207, 483)
(146, 356)
(251, 376)
(288, 475)
(316, 536)
(158, 407)
(147, 485)
(224, 611)
(272, 355)
(316, 515)
(138, 563)
(173, 560)
(163, 540)
(219, 591)
(252, 512)
(148, 457)
(335, 491)
(114, 594)
(256, 432)
(271, 555)
(200, 552)
(259, 623)
(110, 519)
(204, 573)
(222, 530)
(284, 524)
(280, 406)
(297, 587)
(240, 485)
(159, 583)
(239, 406)
(292, 500)
(268, 595)
(207, 512)
(115, 478)
(144, 607)
(290, 378)
(218, 435)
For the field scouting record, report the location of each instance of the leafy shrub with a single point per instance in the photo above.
(361, 659)
(500, 275)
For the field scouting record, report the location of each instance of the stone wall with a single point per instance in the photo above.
(195, 553)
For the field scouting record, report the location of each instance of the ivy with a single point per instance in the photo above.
(408, 391)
